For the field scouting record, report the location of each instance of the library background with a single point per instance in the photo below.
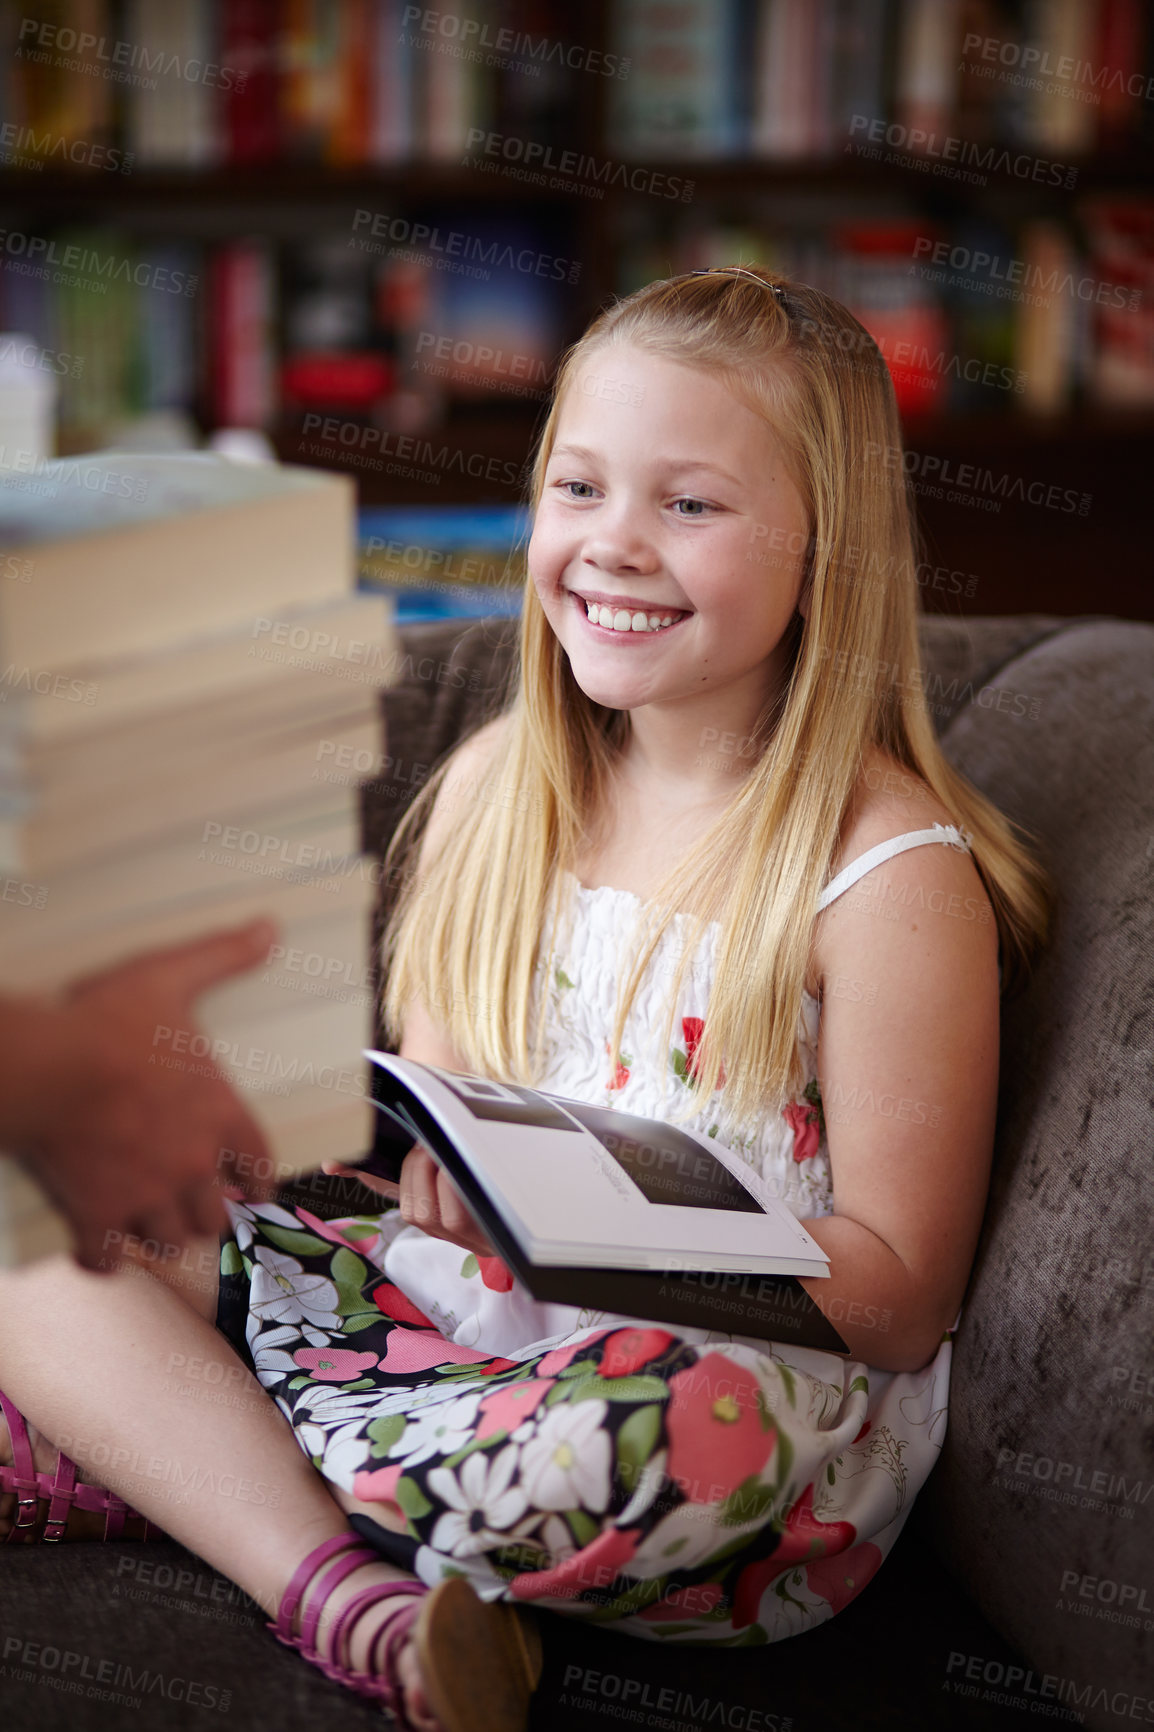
(357, 235)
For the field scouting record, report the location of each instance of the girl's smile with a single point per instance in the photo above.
(624, 617)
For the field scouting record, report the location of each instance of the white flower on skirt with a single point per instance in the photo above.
(283, 1293)
(482, 1506)
(270, 1360)
(437, 1429)
(568, 1462)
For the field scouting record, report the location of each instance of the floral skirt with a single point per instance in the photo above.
(709, 1492)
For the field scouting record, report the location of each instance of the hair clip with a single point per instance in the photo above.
(739, 270)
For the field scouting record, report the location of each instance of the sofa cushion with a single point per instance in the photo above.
(1042, 1500)
(155, 1625)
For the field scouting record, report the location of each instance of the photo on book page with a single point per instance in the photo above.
(665, 1164)
(505, 1102)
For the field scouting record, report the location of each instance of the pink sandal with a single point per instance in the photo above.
(61, 1489)
(479, 1662)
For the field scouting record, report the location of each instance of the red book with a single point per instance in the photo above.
(242, 370)
(1118, 69)
(250, 49)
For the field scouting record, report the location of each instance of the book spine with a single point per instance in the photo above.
(249, 48)
(242, 314)
(356, 42)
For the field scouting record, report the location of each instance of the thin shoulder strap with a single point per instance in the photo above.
(947, 833)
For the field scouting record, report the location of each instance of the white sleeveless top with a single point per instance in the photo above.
(787, 1144)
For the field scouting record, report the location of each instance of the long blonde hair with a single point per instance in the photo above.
(466, 933)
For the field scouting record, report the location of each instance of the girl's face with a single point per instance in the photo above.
(667, 499)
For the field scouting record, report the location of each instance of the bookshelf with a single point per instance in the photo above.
(326, 209)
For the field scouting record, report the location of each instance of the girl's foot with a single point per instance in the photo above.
(358, 1648)
(455, 1663)
(82, 1524)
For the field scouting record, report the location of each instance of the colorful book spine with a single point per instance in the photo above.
(250, 48)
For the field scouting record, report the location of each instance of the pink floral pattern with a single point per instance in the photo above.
(802, 1121)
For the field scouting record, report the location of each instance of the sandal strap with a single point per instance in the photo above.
(391, 1637)
(316, 1602)
(282, 1626)
(21, 1477)
(61, 1488)
(381, 1683)
(62, 1495)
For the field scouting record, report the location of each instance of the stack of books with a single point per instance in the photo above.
(188, 706)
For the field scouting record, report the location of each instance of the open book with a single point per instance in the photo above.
(594, 1207)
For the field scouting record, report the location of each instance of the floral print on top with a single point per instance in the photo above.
(683, 1484)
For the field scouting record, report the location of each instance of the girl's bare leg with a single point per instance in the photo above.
(129, 1395)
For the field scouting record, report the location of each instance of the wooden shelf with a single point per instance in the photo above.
(290, 184)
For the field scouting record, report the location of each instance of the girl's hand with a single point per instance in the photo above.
(370, 1181)
(428, 1199)
(431, 1201)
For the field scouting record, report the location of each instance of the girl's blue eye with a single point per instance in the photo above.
(702, 507)
(565, 485)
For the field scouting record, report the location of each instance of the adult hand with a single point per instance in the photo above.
(428, 1199)
(123, 1142)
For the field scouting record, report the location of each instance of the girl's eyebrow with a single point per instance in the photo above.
(679, 465)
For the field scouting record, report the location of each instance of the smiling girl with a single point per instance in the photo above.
(735, 883)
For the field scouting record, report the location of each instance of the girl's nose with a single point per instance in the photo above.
(619, 543)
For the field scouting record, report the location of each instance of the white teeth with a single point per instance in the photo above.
(622, 620)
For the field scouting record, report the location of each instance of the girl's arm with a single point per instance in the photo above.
(908, 1064)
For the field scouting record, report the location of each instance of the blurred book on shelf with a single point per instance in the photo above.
(385, 313)
(200, 83)
(444, 562)
(791, 80)
(980, 316)
(189, 704)
(353, 83)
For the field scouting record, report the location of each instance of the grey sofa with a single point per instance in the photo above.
(1021, 1587)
